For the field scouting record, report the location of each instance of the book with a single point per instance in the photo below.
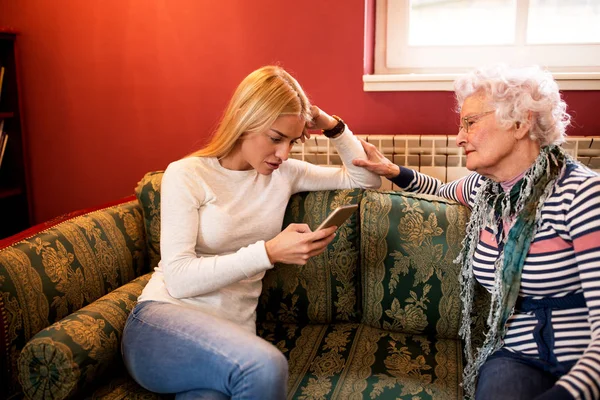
(1, 79)
(3, 141)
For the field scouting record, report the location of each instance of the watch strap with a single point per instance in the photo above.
(337, 130)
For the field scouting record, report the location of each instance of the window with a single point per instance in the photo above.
(425, 44)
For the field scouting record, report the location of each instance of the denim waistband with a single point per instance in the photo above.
(543, 333)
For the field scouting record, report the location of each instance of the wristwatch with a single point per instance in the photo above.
(336, 130)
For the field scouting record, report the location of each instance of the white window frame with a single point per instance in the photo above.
(391, 73)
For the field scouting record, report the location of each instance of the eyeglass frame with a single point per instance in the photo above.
(464, 121)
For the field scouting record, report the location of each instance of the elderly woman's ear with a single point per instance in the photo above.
(522, 127)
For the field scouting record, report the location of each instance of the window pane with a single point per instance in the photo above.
(559, 21)
(461, 22)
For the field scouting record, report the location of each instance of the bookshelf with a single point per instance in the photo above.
(15, 204)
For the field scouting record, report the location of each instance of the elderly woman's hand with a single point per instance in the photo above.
(320, 120)
(376, 162)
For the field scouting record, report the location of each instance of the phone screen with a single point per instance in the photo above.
(338, 216)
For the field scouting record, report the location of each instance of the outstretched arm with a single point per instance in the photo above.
(405, 178)
(462, 190)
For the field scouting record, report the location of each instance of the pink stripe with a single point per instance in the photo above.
(587, 242)
(551, 245)
(488, 238)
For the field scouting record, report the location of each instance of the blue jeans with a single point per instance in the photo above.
(172, 349)
(503, 377)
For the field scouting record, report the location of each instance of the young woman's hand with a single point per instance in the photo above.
(297, 243)
(320, 120)
(376, 162)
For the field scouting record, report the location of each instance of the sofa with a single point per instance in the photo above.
(376, 316)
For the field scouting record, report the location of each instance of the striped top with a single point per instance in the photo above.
(563, 259)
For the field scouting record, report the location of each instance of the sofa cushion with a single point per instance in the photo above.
(408, 246)
(78, 349)
(357, 361)
(148, 194)
(323, 290)
(47, 276)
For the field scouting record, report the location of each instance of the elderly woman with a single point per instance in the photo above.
(533, 239)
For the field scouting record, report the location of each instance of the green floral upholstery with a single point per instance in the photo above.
(410, 282)
(407, 346)
(78, 349)
(323, 290)
(356, 361)
(148, 194)
(57, 271)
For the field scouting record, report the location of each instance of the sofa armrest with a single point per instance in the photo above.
(63, 358)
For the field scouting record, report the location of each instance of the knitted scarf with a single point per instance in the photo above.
(520, 213)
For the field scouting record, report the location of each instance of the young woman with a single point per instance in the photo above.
(193, 330)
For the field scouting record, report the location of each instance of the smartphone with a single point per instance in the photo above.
(338, 216)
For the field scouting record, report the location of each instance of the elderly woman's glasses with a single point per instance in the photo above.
(466, 122)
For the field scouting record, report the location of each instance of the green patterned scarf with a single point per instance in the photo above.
(521, 212)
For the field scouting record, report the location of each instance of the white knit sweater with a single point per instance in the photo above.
(215, 222)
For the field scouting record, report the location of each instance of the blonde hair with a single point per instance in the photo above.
(516, 91)
(261, 98)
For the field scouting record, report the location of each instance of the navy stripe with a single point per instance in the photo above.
(531, 260)
(405, 178)
(587, 231)
(571, 275)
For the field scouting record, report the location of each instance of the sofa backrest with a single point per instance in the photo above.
(410, 282)
(59, 270)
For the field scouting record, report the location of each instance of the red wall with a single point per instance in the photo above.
(115, 88)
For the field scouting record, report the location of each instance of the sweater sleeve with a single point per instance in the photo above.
(186, 274)
(583, 221)
(416, 182)
(308, 176)
(461, 190)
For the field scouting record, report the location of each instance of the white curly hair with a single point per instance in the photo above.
(514, 92)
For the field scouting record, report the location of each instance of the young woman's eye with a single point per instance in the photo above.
(293, 142)
(275, 140)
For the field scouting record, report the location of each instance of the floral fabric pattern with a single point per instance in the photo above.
(356, 361)
(79, 348)
(57, 271)
(410, 281)
(323, 290)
